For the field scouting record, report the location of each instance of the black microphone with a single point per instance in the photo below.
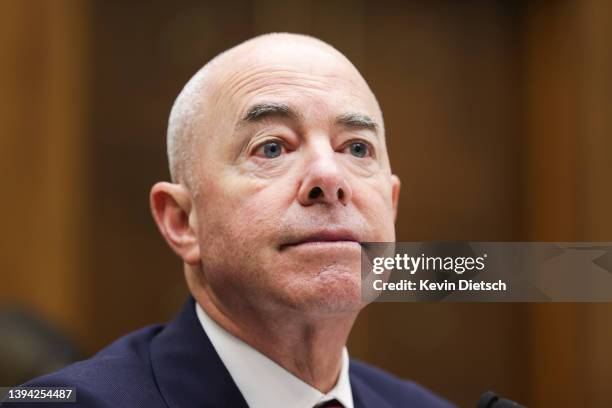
(491, 400)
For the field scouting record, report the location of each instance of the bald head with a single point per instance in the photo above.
(200, 111)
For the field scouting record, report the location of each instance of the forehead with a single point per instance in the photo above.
(313, 79)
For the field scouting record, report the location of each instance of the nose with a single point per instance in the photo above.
(324, 183)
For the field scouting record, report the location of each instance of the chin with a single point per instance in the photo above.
(328, 292)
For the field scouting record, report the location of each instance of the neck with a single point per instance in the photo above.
(309, 348)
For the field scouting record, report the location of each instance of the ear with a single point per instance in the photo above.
(174, 215)
(395, 190)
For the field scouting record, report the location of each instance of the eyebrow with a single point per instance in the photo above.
(265, 110)
(357, 121)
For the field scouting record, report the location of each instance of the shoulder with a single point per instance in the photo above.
(118, 376)
(393, 390)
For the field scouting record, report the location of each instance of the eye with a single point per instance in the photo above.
(359, 149)
(270, 150)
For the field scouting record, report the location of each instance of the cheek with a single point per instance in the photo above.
(374, 201)
(239, 234)
(240, 211)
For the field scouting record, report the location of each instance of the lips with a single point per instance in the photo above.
(322, 236)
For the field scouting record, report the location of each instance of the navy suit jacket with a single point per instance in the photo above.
(176, 366)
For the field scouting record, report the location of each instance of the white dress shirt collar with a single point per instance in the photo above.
(262, 382)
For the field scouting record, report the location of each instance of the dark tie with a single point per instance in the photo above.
(330, 404)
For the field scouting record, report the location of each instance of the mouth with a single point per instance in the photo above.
(323, 237)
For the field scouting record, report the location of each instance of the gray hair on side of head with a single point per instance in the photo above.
(187, 110)
(181, 127)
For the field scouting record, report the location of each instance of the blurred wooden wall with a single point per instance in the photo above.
(568, 137)
(44, 125)
(498, 120)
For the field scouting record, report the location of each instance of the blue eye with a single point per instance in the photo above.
(272, 149)
(358, 149)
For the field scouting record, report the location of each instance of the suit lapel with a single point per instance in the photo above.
(364, 396)
(188, 371)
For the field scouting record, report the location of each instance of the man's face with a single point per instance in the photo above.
(293, 175)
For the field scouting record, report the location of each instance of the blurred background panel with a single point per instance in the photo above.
(499, 123)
